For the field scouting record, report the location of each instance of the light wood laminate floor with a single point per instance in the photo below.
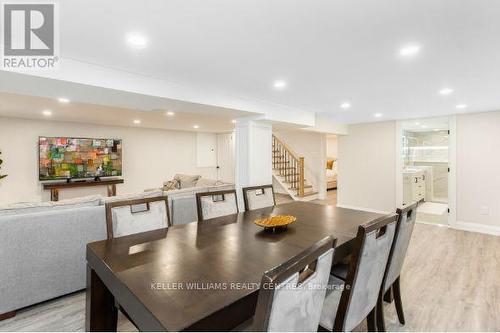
(450, 282)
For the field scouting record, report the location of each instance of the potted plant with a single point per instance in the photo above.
(1, 161)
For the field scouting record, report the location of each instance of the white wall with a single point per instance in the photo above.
(367, 159)
(478, 169)
(253, 144)
(149, 156)
(331, 146)
(311, 146)
(367, 167)
(206, 150)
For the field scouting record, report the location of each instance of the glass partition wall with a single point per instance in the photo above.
(425, 155)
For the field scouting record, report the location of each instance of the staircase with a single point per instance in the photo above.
(289, 171)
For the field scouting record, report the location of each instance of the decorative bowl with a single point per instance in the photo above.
(275, 223)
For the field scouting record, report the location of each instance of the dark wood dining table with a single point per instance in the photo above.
(203, 276)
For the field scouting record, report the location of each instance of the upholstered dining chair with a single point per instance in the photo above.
(256, 197)
(216, 204)
(291, 295)
(134, 216)
(404, 229)
(348, 303)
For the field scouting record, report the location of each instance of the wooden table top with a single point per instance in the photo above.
(153, 274)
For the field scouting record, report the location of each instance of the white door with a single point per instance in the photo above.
(225, 157)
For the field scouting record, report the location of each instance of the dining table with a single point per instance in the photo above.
(204, 276)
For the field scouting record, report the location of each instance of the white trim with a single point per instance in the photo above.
(364, 209)
(399, 165)
(475, 227)
(452, 175)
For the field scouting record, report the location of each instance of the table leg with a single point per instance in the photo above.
(54, 194)
(112, 190)
(100, 312)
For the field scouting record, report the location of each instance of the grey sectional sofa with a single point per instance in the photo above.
(42, 245)
(42, 252)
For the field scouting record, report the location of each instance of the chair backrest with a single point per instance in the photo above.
(366, 272)
(291, 295)
(256, 197)
(134, 216)
(404, 229)
(215, 204)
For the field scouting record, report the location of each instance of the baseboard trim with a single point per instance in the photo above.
(474, 227)
(364, 209)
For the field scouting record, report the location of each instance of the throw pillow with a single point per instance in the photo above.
(187, 180)
(171, 185)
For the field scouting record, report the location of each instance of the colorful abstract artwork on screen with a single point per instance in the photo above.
(62, 158)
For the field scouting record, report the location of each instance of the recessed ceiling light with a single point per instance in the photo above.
(47, 113)
(196, 126)
(137, 121)
(446, 91)
(233, 121)
(136, 40)
(170, 113)
(409, 50)
(424, 126)
(63, 100)
(345, 105)
(417, 123)
(461, 106)
(279, 84)
(378, 115)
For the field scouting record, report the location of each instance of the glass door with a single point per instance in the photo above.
(425, 155)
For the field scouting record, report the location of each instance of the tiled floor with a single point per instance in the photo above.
(433, 212)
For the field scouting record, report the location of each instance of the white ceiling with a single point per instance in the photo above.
(31, 107)
(328, 51)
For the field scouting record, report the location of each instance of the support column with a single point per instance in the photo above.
(253, 155)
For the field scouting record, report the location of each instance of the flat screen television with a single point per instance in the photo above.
(70, 158)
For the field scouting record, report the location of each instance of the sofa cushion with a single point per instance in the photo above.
(206, 182)
(37, 207)
(133, 196)
(187, 180)
(171, 185)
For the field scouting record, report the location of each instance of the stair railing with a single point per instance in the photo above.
(288, 165)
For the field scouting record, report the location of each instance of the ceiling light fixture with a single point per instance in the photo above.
(136, 40)
(345, 105)
(196, 126)
(461, 106)
(446, 91)
(279, 84)
(47, 113)
(378, 115)
(409, 50)
(63, 100)
(170, 113)
(137, 121)
(233, 121)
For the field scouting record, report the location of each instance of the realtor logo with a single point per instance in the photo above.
(29, 36)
